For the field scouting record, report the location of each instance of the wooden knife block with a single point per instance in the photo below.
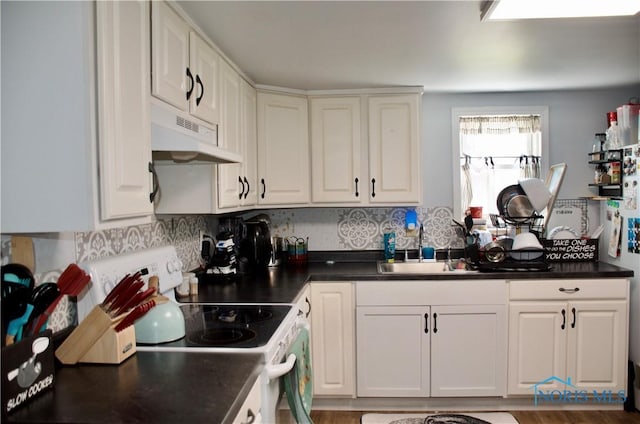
(112, 347)
(95, 340)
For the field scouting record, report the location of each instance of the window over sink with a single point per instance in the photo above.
(494, 147)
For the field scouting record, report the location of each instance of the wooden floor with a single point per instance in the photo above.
(523, 417)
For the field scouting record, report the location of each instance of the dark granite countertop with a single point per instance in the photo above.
(283, 284)
(149, 387)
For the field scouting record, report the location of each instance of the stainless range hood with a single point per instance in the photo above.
(178, 137)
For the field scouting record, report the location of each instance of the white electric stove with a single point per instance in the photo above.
(267, 329)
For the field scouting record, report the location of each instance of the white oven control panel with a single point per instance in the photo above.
(105, 273)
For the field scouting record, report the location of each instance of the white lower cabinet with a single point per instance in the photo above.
(332, 338)
(456, 346)
(565, 332)
(393, 351)
(468, 350)
(250, 412)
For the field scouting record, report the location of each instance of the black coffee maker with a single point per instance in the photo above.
(255, 246)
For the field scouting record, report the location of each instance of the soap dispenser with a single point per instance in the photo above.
(411, 223)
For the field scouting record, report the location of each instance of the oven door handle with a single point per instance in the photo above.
(303, 323)
(276, 371)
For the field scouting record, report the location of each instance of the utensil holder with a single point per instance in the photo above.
(113, 347)
(86, 334)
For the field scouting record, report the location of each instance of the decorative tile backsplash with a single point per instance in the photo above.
(183, 232)
(362, 228)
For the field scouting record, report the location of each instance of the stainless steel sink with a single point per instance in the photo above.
(415, 267)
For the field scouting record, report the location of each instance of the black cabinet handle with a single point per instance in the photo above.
(199, 98)
(573, 322)
(356, 180)
(435, 322)
(190, 90)
(251, 417)
(573, 290)
(156, 187)
(373, 187)
(264, 188)
(241, 192)
(306, 299)
(564, 319)
(426, 323)
(246, 193)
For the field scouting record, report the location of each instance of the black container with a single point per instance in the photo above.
(255, 248)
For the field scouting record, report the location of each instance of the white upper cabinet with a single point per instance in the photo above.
(283, 149)
(76, 137)
(185, 68)
(205, 62)
(170, 56)
(368, 158)
(394, 149)
(237, 183)
(249, 138)
(335, 150)
(123, 108)
(229, 135)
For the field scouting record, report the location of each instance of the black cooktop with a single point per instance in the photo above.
(229, 326)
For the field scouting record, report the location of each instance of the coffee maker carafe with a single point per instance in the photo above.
(256, 246)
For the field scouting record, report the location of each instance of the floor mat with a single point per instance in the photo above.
(441, 418)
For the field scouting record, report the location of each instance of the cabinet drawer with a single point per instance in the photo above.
(440, 292)
(569, 289)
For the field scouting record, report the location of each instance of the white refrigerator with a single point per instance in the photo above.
(620, 241)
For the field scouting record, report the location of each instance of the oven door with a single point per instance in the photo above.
(288, 383)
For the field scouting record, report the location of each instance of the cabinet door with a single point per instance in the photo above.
(597, 345)
(204, 65)
(230, 184)
(332, 338)
(468, 350)
(394, 149)
(335, 149)
(250, 411)
(392, 351)
(170, 56)
(537, 346)
(283, 149)
(249, 143)
(123, 108)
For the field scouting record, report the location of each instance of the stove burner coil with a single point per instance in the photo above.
(221, 336)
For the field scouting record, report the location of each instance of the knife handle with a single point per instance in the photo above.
(137, 313)
(136, 300)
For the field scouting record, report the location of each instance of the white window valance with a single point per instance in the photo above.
(499, 124)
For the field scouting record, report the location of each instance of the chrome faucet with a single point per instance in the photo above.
(420, 237)
(449, 264)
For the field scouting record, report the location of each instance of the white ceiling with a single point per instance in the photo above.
(441, 45)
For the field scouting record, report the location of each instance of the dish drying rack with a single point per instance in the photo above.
(534, 224)
(514, 260)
